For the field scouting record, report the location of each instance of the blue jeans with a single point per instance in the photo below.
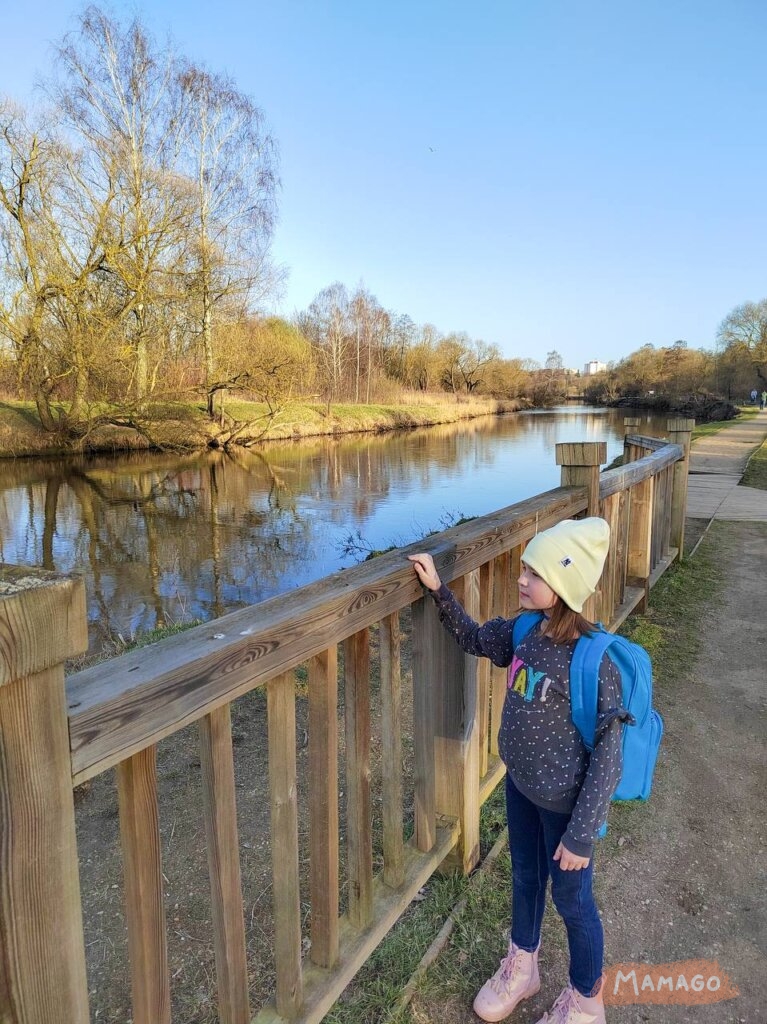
(534, 834)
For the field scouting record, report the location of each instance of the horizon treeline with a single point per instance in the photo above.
(136, 220)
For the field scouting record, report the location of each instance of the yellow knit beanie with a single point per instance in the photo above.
(570, 557)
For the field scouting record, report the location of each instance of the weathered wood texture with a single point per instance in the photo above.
(117, 713)
(359, 822)
(135, 701)
(391, 751)
(680, 433)
(144, 903)
(323, 805)
(456, 729)
(42, 952)
(426, 632)
(220, 808)
(281, 722)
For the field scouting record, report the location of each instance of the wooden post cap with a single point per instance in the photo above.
(586, 453)
(679, 425)
(43, 620)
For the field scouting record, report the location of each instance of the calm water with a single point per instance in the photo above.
(168, 538)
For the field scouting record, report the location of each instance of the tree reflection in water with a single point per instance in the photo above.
(163, 539)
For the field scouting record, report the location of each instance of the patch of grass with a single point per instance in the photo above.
(756, 470)
(704, 429)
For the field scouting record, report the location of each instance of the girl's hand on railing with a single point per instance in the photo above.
(425, 571)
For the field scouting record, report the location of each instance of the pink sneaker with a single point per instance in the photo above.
(571, 1007)
(516, 979)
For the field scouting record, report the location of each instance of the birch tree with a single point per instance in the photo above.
(231, 160)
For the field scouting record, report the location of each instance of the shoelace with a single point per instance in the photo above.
(510, 968)
(564, 1002)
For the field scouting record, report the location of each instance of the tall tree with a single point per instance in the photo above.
(230, 157)
(743, 333)
(119, 96)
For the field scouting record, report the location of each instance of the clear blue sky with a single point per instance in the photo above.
(547, 174)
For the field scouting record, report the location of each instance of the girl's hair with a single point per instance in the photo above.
(564, 624)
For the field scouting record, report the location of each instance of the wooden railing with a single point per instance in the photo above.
(54, 736)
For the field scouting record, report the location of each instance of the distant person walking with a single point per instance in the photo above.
(763, 401)
(754, 395)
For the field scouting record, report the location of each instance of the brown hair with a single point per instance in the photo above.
(564, 624)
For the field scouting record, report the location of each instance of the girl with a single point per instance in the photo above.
(556, 794)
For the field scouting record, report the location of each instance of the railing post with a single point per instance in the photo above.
(580, 468)
(630, 452)
(42, 967)
(680, 432)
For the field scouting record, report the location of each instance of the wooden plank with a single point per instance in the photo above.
(42, 952)
(456, 728)
(580, 468)
(624, 508)
(323, 805)
(220, 811)
(640, 529)
(281, 721)
(43, 620)
(633, 473)
(426, 631)
(496, 772)
(665, 562)
(680, 432)
(136, 700)
(391, 751)
(607, 602)
(144, 903)
(322, 988)
(646, 441)
(486, 575)
(504, 586)
(359, 824)
(632, 599)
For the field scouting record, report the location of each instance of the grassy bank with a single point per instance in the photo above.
(756, 470)
(186, 426)
(747, 412)
(671, 633)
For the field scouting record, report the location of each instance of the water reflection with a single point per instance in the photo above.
(166, 538)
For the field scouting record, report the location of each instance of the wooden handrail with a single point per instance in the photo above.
(118, 708)
(118, 711)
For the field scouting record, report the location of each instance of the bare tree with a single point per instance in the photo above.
(326, 324)
(231, 159)
(119, 98)
(743, 332)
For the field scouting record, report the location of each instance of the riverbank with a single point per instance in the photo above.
(186, 426)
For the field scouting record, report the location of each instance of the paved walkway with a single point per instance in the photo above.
(717, 464)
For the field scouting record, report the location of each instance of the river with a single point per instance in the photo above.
(164, 539)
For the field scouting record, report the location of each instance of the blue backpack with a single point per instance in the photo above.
(641, 740)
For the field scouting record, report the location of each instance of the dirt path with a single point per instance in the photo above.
(701, 863)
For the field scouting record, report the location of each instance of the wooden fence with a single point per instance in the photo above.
(55, 735)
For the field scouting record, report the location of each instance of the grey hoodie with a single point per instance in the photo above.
(541, 748)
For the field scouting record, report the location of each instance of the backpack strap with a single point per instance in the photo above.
(584, 682)
(524, 623)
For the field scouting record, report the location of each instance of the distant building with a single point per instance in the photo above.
(594, 367)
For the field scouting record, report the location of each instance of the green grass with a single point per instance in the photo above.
(671, 632)
(756, 470)
(704, 429)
